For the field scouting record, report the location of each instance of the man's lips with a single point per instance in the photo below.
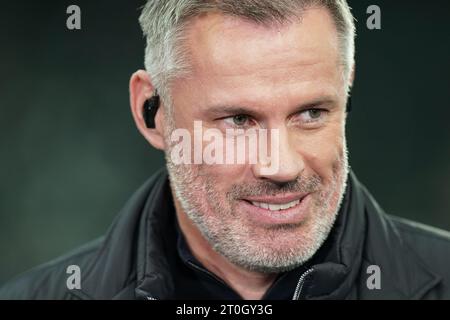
(270, 210)
(276, 203)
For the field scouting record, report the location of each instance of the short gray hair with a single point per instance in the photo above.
(163, 21)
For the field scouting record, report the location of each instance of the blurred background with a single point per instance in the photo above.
(70, 155)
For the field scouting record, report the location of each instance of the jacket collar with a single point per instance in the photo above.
(139, 245)
(364, 236)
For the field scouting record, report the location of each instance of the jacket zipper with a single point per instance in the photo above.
(298, 288)
(300, 283)
(297, 292)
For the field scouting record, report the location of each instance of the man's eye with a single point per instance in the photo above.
(312, 115)
(239, 120)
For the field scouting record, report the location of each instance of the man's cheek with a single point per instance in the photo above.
(224, 171)
(322, 160)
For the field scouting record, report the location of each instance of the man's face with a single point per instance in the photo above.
(248, 76)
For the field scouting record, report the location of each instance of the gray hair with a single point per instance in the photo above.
(163, 22)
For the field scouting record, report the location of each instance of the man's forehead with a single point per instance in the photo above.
(226, 44)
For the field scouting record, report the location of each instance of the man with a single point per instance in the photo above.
(295, 223)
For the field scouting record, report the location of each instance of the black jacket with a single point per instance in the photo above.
(133, 260)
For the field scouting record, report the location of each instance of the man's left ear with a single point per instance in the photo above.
(350, 85)
(352, 77)
(142, 90)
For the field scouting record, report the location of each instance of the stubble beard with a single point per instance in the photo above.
(265, 249)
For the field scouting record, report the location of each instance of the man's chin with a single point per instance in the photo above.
(275, 260)
(272, 249)
(272, 269)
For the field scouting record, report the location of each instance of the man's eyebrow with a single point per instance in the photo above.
(223, 110)
(330, 101)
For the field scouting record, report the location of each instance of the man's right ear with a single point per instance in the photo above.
(144, 103)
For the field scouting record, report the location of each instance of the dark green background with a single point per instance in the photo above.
(70, 155)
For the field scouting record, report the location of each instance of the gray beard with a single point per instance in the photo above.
(238, 244)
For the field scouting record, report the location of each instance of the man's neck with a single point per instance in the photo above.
(248, 284)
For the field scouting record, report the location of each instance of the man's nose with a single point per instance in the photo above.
(290, 161)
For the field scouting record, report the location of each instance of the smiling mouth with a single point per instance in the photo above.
(276, 204)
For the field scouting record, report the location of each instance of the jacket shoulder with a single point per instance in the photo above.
(431, 244)
(49, 280)
(423, 235)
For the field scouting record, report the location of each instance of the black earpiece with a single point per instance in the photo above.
(150, 108)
